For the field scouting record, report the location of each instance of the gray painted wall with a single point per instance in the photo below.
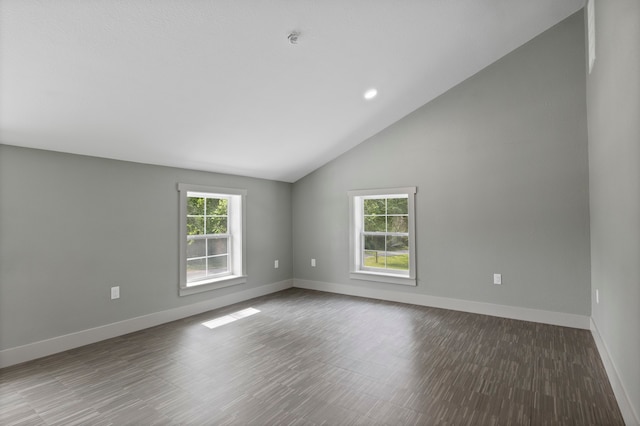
(72, 226)
(613, 104)
(501, 167)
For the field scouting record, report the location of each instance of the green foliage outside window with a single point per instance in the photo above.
(207, 215)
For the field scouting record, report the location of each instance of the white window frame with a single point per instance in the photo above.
(236, 225)
(356, 222)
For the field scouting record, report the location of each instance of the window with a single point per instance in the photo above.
(211, 238)
(382, 235)
(591, 33)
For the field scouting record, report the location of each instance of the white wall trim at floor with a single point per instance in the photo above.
(57, 344)
(629, 415)
(504, 311)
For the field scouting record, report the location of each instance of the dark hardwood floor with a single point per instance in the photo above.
(312, 358)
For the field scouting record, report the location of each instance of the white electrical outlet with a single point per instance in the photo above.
(497, 279)
(313, 263)
(276, 264)
(115, 292)
(597, 296)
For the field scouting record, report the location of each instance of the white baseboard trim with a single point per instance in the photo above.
(629, 415)
(503, 311)
(63, 343)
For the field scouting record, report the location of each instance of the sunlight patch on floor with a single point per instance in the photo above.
(220, 321)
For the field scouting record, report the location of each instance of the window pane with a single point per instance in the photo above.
(216, 206)
(398, 223)
(398, 261)
(195, 248)
(217, 265)
(195, 226)
(374, 224)
(216, 225)
(216, 246)
(398, 253)
(374, 242)
(397, 206)
(397, 244)
(195, 206)
(196, 269)
(375, 206)
(374, 259)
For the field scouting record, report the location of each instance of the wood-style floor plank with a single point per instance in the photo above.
(312, 358)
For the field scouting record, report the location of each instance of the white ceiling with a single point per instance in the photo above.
(215, 85)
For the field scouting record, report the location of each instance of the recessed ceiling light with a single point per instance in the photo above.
(370, 94)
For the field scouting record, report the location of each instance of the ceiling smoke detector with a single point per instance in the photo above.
(293, 37)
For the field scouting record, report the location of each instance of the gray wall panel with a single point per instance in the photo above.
(613, 104)
(73, 226)
(501, 166)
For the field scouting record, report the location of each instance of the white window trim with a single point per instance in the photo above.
(237, 203)
(357, 272)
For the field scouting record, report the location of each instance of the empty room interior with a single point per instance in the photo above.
(320, 212)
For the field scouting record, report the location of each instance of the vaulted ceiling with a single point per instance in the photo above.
(217, 85)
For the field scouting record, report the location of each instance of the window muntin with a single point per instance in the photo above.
(382, 235)
(212, 238)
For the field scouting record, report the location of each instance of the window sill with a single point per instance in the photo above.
(214, 284)
(382, 278)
